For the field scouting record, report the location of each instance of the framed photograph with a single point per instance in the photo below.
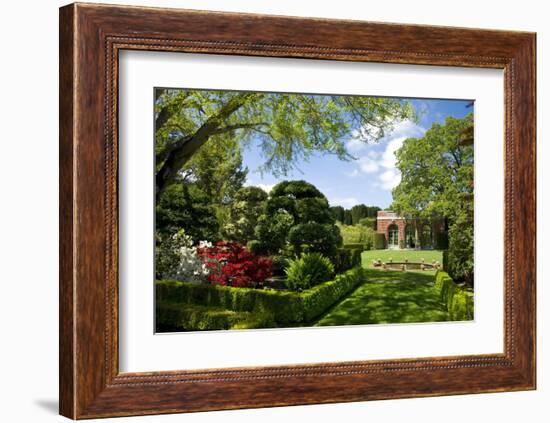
(263, 211)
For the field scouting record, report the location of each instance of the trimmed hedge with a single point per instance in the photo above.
(283, 307)
(459, 301)
(317, 300)
(356, 257)
(342, 260)
(347, 258)
(353, 245)
(379, 242)
(192, 317)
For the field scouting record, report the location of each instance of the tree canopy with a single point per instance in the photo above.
(248, 204)
(436, 171)
(437, 178)
(289, 127)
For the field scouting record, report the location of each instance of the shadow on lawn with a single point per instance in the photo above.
(389, 297)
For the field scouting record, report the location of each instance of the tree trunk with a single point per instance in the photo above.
(184, 149)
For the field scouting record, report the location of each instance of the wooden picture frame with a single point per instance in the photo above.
(91, 36)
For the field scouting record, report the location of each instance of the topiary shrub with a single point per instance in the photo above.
(296, 212)
(379, 241)
(307, 271)
(321, 238)
(272, 230)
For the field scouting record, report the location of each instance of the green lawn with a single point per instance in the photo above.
(402, 255)
(389, 297)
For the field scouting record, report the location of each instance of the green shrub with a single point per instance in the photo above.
(285, 308)
(307, 271)
(356, 257)
(272, 230)
(357, 234)
(256, 247)
(401, 244)
(241, 216)
(296, 212)
(369, 222)
(441, 241)
(460, 260)
(459, 301)
(342, 260)
(318, 237)
(379, 241)
(280, 263)
(369, 244)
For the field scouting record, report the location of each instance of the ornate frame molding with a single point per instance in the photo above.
(91, 37)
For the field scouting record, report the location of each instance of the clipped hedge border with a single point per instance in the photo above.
(347, 258)
(193, 317)
(459, 301)
(283, 307)
(353, 245)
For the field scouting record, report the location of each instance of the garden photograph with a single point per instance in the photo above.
(285, 210)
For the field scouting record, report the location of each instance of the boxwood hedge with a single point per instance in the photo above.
(201, 306)
(192, 317)
(459, 300)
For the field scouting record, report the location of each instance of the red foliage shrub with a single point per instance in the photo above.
(230, 263)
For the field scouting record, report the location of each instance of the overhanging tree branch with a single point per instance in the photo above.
(181, 151)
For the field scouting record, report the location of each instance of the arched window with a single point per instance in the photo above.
(427, 239)
(393, 235)
(410, 236)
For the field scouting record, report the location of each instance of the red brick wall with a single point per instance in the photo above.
(387, 218)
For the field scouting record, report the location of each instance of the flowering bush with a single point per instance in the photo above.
(176, 258)
(230, 263)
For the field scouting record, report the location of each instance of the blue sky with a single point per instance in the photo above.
(369, 178)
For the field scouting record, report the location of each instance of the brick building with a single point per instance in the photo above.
(401, 232)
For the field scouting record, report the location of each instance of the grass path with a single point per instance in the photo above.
(389, 297)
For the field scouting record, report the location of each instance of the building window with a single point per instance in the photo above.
(410, 236)
(393, 235)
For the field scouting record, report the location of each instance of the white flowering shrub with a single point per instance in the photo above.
(176, 258)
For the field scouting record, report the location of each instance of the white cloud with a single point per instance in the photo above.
(347, 202)
(355, 145)
(360, 137)
(384, 162)
(390, 179)
(388, 157)
(266, 187)
(368, 164)
(353, 173)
